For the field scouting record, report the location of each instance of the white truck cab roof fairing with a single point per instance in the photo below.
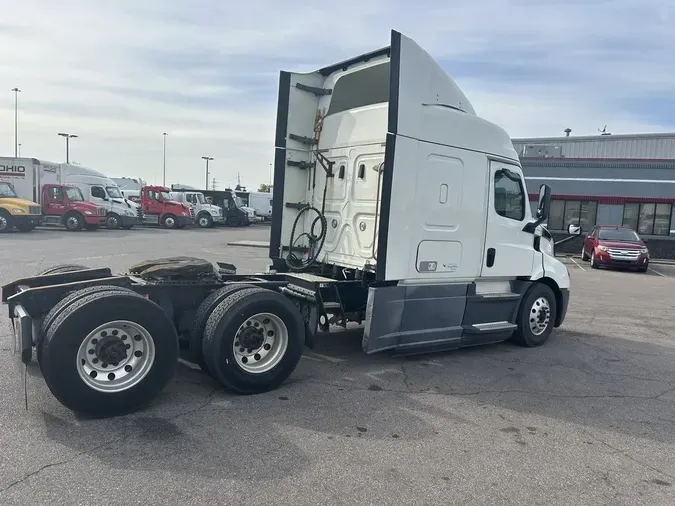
(402, 99)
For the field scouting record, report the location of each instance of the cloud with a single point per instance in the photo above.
(120, 73)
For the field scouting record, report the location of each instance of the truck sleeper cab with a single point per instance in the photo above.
(359, 145)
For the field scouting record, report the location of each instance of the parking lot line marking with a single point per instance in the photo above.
(311, 358)
(657, 272)
(326, 357)
(575, 263)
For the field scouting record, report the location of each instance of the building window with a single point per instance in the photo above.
(648, 218)
(579, 212)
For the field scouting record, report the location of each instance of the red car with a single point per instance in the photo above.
(614, 246)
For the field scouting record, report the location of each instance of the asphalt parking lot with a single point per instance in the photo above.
(589, 418)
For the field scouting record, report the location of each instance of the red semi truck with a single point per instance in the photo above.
(159, 208)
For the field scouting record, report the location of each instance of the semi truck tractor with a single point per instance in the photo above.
(205, 215)
(159, 207)
(104, 192)
(396, 207)
(61, 204)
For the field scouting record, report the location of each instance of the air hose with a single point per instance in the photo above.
(292, 261)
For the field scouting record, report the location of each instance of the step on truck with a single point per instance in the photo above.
(395, 206)
(61, 204)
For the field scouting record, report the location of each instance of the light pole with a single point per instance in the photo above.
(68, 137)
(164, 161)
(207, 158)
(19, 150)
(16, 121)
(271, 179)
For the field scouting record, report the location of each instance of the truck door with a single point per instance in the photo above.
(151, 203)
(99, 197)
(53, 200)
(509, 252)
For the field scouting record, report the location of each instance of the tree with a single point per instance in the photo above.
(265, 188)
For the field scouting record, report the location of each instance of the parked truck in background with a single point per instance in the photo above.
(104, 192)
(204, 215)
(235, 213)
(61, 204)
(261, 203)
(15, 212)
(159, 208)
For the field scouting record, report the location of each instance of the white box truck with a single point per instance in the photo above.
(396, 207)
(261, 202)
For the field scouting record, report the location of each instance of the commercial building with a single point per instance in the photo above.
(606, 180)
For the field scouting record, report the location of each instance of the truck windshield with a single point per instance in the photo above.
(201, 199)
(73, 193)
(238, 201)
(114, 192)
(166, 195)
(7, 191)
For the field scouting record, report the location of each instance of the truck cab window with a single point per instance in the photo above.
(509, 195)
(191, 198)
(56, 193)
(98, 192)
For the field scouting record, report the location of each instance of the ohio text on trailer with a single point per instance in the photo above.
(375, 158)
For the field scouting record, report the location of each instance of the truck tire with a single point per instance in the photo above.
(77, 295)
(203, 312)
(112, 221)
(109, 354)
(73, 222)
(267, 327)
(536, 316)
(169, 221)
(204, 220)
(60, 269)
(5, 222)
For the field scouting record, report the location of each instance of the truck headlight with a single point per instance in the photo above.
(16, 210)
(644, 251)
(88, 213)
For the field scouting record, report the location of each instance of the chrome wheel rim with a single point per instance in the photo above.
(260, 343)
(204, 221)
(540, 316)
(115, 356)
(73, 222)
(3, 223)
(169, 222)
(112, 222)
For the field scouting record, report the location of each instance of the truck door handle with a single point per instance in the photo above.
(490, 261)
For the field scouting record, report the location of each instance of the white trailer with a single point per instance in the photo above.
(261, 202)
(396, 207)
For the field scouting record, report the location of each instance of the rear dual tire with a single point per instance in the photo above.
(253, 340)
(107, 352)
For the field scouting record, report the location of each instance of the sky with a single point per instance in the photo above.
(119, 74)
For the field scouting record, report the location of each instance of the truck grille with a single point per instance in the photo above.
(629, 255)
(101, 211)
(34, 209)
(139, 213)
(192, 212)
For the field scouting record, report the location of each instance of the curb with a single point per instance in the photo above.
(250, 244)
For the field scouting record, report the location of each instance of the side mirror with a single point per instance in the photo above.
(544, 206)
(574, 229)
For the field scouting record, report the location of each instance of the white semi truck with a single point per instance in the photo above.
(104, 192)
(205, 215)
(261, 202)
(396, 207)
